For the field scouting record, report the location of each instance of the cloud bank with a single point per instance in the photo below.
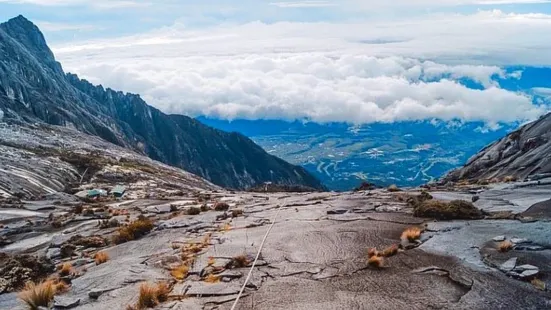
(353, 72)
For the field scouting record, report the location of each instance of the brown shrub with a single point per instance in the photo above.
(133, 231)
(221, 206)
(443, 210)
(151, 295)
(236, 213)
(101, 257)
(193, 211)
(38, 295)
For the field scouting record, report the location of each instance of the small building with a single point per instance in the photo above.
(118, 191)
(94, 193)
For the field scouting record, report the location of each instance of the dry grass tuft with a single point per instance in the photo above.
(66, 269)
(206, 240)
(240, 261)
(38, 295)
(180, 272)
(390, 251)
(61, 287)
(193, 211)
(372, 252)
(148, 296)
(226, 227)
(411, 234)
(211, 278)
(393, 188)
(133, 231)
(221, 206)
(101, 257)
(376, 261)
(505, 246)
(509, 179)
(539, 284)
(163, 289)
(192, 248)
(236, 213)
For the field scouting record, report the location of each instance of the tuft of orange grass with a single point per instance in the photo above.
(211, 261)
(376, 261)
(539, 284)
(505, 246)
(411, 234)
(180, 272)
(66, 269)
(192, 248)
(211, 278)
(61, 287)
(390, 251)
(148, 296)
(372, 252)
(226, 227)
(38, 295)
(101, 257)
(151, 295)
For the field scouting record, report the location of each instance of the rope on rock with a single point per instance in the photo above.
(255, 260)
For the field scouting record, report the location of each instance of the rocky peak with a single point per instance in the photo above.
(29, 35)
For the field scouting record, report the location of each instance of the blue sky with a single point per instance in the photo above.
(349, 60)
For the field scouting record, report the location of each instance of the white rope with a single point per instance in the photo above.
(255, 260)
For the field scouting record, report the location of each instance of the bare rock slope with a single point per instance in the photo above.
(523, 154)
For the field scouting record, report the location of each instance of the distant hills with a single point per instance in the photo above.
(34, 89)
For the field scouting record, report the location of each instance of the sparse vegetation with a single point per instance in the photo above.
(180, 272)
(240, 261)
(133, 231)
(101, 257)
(193, 211)
(221, 206)
(211, 278)
(376, 261)
(372, 252)
(444, 210)
(393, 188)
(390, 251)
(539, 284)
(66, 269)
(148, 296)
(236, 213)
(38, 295)
(61, 287)
(411, 234)
(505, 246)
(509, 179)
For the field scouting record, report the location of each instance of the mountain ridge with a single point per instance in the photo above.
(34, 88)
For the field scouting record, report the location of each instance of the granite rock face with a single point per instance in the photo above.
(522, 154)
(34, 89)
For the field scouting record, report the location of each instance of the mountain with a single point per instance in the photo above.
(522, 154)
(342, 156)
(34, 89)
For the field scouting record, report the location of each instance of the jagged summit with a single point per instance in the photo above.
(34, 89)
(29, 35)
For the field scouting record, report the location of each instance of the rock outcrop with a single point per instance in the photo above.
(34, 89)
(523, 154)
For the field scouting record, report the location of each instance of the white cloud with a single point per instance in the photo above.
(355, 72)
(99, 4)
(303, 4)
(53, 27)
